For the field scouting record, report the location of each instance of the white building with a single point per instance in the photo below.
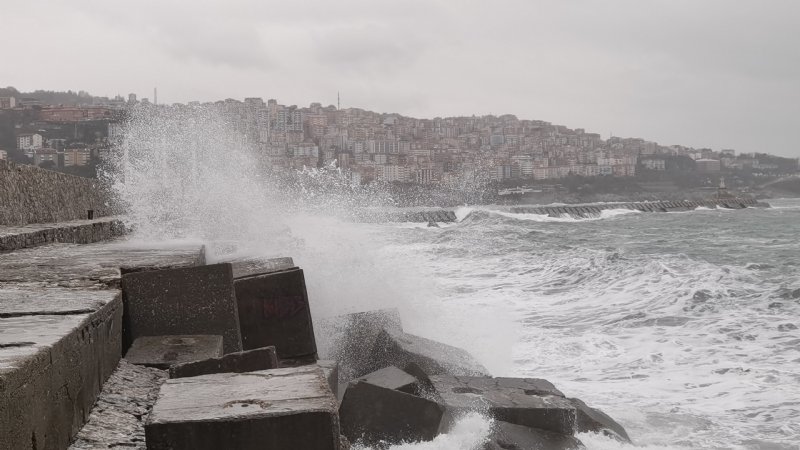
(28, 141)
(3, 155)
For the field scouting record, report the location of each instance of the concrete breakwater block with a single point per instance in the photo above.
(193, 300)
(274, 310)
(401, 349)
(352, 337)
(248, 361)
(529, 402)
(247, 267)
(508, 436)
(277, 409)
(593, 420)
(53, 364)
(371, 414)
(162, 352)
(391, 378)
(330, 369)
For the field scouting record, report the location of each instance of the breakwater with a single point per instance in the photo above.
(29, 194)
(576, 211)
(225, 355)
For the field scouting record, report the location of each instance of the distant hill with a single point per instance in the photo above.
(54, 97)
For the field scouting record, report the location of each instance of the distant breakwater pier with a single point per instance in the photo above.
(109, 343)
(574, 211)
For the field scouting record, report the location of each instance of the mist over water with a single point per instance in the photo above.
(682, 326)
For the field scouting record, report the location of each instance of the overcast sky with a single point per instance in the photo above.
(702, 73)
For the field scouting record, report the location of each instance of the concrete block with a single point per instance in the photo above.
(51, 370)
(508, 436)
(193, 300)
(247, 267)
(594, 420)
(163, 351)
(351, 338)
(274, 310)
(392, 378)
(277, 409)
(248, 361)
(529, 402)
(373, 414)
(397, 348)
(330, 369)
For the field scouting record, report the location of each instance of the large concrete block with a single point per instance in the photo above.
(529, 402)
(276, 409)
(247, 267)
(392, 378)
(193, 300)
(330, 369)
(594, 420)
(52, 368)
(372, 414)
(508, 436)
(400, 349)
(351, 338)
(274, 310)
(248, 361)
(162, 352)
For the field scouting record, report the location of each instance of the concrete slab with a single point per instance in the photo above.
(246, 267)
(192, 300)
(163, 351)
(45, 394)
(330, 369)
(239, 362)
(391, 378)
(274, 310)
(394, 348)
(22, 300)
(372, 414)
(531, 403)
(279, 408)
(95, 266)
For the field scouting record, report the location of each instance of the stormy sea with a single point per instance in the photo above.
(682, 326)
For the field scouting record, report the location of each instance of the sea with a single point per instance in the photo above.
(682, 326)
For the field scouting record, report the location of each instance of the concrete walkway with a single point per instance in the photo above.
(60, 328)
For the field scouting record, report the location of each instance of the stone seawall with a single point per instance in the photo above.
(29, 194)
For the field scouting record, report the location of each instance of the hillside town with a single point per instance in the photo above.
(370, 146)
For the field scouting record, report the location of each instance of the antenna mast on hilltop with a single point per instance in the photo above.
(155, 95)
(338, 101)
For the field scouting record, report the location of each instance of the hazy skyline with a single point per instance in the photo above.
(716, 74)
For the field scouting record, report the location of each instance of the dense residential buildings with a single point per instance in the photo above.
(370, 146)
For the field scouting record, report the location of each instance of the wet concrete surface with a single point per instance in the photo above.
(117, 420)
(76, 231)
(90, 265)
(60, 321)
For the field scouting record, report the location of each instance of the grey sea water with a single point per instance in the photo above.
(683, 326)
